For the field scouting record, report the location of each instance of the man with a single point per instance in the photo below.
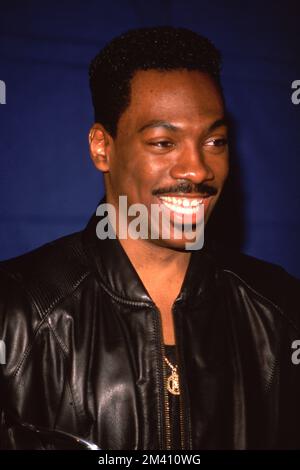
(138, 342)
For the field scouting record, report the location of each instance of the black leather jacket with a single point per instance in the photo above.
(84, 349)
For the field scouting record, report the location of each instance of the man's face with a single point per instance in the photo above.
(171, 145)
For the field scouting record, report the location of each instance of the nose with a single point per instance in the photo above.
(191, 165)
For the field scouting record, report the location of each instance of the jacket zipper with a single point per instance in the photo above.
(181, 416)
(181, 413)
(167, 437)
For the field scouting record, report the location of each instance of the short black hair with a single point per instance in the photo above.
(163, 48)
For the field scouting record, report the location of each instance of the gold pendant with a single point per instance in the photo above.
(173, 383)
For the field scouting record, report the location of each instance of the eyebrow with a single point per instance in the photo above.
(171, 127)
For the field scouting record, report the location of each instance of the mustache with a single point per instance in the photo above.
(187, 188)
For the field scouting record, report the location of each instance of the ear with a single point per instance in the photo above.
(99, 142)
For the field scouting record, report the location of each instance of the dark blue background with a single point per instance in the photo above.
(48, 184)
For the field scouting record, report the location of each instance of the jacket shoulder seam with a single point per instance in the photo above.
(45, 318)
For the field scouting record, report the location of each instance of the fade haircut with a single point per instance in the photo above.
(163, 48)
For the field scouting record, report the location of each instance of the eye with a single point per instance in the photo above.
(217, 142)
(163, 144)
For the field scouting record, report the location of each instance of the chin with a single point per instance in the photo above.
(178, 245)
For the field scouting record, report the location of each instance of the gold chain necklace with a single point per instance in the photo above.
(173, 379)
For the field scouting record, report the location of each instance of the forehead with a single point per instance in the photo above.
(177, 95)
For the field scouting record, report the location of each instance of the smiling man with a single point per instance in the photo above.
(136, 342)
(170, 149)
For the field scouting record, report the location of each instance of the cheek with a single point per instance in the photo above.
(121, 169)
(130, 174)
(133, 164)
(221, 169)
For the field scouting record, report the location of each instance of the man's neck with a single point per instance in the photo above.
(156, 265)
(153, 258)
(162, 272)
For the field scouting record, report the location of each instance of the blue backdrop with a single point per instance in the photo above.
(48, 184)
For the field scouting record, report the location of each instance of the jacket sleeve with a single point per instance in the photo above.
(18, 323)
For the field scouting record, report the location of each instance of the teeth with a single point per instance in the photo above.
(181, 210)
(182, 205)
(181, 201)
